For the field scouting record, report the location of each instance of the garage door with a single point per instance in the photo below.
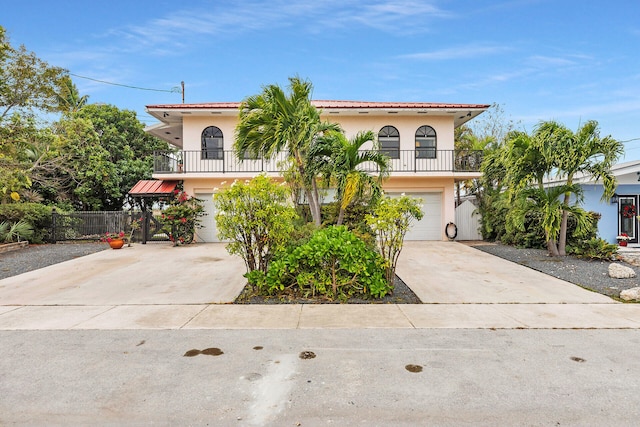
(207, 233)
(430, 226)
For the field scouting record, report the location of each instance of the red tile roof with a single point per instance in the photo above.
(325, 104)
(153, 187)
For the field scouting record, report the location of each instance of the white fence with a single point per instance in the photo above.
(468, 222)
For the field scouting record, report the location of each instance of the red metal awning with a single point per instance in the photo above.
(153, 187)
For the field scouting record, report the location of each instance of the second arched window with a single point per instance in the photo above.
(426, 143)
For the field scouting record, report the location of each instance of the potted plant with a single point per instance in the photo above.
(115, 240)
(623, 239)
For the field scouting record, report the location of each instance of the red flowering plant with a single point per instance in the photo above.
(109, 237)
(182, 217)
(623, 237)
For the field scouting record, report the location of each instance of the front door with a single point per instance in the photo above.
(627, 222)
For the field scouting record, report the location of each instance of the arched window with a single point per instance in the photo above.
(389, 139)
(426, 143)
(212, 143)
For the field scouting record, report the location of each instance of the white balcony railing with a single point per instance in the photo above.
(218, 161)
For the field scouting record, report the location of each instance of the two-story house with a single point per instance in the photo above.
(418, 138)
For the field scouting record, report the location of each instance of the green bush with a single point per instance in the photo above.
(256, 218)
(38, 216)
(354, 219)
(533, 235)
(594, 248)
(182, 217)
(390, 220)
(333, 264)
(15, 232)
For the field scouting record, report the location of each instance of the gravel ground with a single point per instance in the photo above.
(592, 275)
(34, 257)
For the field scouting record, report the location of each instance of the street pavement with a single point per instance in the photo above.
(358, 377)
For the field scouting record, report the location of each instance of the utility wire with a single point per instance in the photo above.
(174, 90)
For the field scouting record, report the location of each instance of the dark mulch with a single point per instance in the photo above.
(589, 274)
(402, 294)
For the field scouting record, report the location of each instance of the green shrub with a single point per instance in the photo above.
(256, 218)
(390, 220)
(333, 264)
(594, 248)
(15, 232)
(38, 216)
(182, 217)
(533, 235)
(354, 219)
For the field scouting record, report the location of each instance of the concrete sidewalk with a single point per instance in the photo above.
(161, 287)
(322, 316)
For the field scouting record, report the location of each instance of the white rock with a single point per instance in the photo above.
(630, 294)
(618, 271)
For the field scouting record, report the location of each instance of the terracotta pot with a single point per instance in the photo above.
(116, 243)
(622, 243)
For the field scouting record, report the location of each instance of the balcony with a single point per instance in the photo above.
(220, 162)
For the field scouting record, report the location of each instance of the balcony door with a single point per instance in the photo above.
(627, 221)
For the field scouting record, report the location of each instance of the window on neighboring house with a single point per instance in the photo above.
(212, 143)
(426, 143)
(389, 140)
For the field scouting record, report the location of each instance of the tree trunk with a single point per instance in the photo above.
(340, 216)
(552, 248)
(315, 207)
(562, 240)
(311, 192)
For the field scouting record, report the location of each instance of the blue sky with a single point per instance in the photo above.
(566, 60)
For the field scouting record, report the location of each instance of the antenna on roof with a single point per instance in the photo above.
(182, 84)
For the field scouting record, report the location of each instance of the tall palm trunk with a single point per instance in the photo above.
(552, 247)
(562, 242)
(340, 216)
(310, 191)
(314, 203)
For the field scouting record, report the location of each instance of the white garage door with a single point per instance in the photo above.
(430, 226)
(207, 233)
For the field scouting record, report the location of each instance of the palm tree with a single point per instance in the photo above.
(346, 162)
(466, 142)
(68, 97)
(581, 152)
(273, 122)
(549, 203)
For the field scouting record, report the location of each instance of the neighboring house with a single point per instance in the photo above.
(418, 138)
(618, 213)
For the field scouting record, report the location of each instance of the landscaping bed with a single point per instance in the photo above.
(402, 294)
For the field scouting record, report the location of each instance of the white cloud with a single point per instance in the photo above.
(460, 52)
(404, 16)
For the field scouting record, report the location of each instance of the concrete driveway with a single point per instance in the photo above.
(155, 273)
(453, 273)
